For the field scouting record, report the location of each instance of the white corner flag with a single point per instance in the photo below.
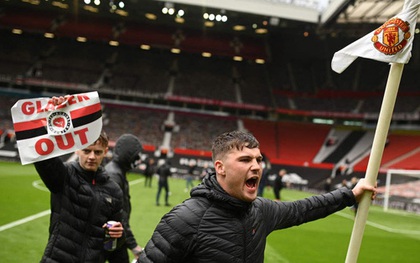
(391, 42)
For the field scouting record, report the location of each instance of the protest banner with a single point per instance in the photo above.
(44, 130)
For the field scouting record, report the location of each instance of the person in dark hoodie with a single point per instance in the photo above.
(225, 221)
(125, 156)
(83, 199)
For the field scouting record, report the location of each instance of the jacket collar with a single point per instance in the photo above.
(99, 176)
(211, 189)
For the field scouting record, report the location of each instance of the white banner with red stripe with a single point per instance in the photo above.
(44, 130)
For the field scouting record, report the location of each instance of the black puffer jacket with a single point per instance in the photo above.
(81, 202)
(212, 226)
(126, 152)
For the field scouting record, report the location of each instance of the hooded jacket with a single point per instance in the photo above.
(81, 202)
(125, 154)
(212, 226)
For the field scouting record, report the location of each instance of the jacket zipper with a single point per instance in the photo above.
(89, 219)
(244, 245)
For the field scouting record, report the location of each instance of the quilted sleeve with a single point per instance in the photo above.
(173, 238)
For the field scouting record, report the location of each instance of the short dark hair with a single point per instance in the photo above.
(103, 139)
(234, 139)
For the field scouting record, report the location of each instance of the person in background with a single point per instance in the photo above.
(278, 184)
(263, 181)
(327, 184)
(149, 171)
(206, 170)
(225, 221)
(190, 176)
(344, 183)
(83, 200)
(125, 157)
(164, 171)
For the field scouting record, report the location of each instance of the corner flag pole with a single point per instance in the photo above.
(378, 146)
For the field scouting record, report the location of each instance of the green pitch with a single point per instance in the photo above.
(24, 219)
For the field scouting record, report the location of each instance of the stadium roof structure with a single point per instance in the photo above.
(333, 14)
(355, 17)
(311, 11)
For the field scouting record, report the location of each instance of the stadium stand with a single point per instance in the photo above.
(198, 131)
(400, 152)
(204, 78)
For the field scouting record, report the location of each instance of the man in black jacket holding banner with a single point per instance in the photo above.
(83, 200)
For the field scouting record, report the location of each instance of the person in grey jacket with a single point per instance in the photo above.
(225, 221)
(126, 153)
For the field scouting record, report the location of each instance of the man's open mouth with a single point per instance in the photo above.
(251, 182)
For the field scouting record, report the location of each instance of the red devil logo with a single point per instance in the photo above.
(59, 122)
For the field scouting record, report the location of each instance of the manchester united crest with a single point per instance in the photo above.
(392, 36)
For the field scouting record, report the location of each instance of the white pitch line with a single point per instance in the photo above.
(24, 220)
(382, 227)
(37, 184)
(136, 181)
